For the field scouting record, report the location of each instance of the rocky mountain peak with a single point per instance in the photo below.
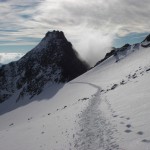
(55, 35)
(52, 60)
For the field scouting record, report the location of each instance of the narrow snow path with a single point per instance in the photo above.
(95, 132)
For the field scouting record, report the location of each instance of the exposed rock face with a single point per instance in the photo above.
(52, 60)
(146, 42)
(118, 52)
(109, 54)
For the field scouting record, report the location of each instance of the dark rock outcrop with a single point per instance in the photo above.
(109, 54)
(146, 42)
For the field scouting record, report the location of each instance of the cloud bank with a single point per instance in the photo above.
(8, 57)
(90, 25)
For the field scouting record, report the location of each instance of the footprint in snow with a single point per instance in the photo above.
(122, 122)
(146, 141)
(148, 70)
(84, 99)
(115, 116)
(140, 133)
(64, 107)
(11, 124)
(82, 130)
(122, 117)
(30, 118)
(128, 131)
(128, 125)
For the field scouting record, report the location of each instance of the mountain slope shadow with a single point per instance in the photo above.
(49, 92)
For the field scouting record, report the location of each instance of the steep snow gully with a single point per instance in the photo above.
(96, 132)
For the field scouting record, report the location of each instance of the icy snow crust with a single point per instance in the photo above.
(106, 108)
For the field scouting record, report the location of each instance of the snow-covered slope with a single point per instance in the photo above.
(125, 98)
(105, 108)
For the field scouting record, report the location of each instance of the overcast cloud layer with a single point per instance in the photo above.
(90, 25)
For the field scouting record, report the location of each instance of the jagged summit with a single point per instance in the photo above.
(52, 60)
(55, 34)
(51, 37)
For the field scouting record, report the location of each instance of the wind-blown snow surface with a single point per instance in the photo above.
(106, 108)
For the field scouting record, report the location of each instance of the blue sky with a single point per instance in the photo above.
(130, 38)
(92, 26)
(118, 42)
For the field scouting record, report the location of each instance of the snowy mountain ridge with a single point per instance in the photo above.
(126, 50)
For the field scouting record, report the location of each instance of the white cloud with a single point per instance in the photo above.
(8, 57)
(93, 45)
(88, 24)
